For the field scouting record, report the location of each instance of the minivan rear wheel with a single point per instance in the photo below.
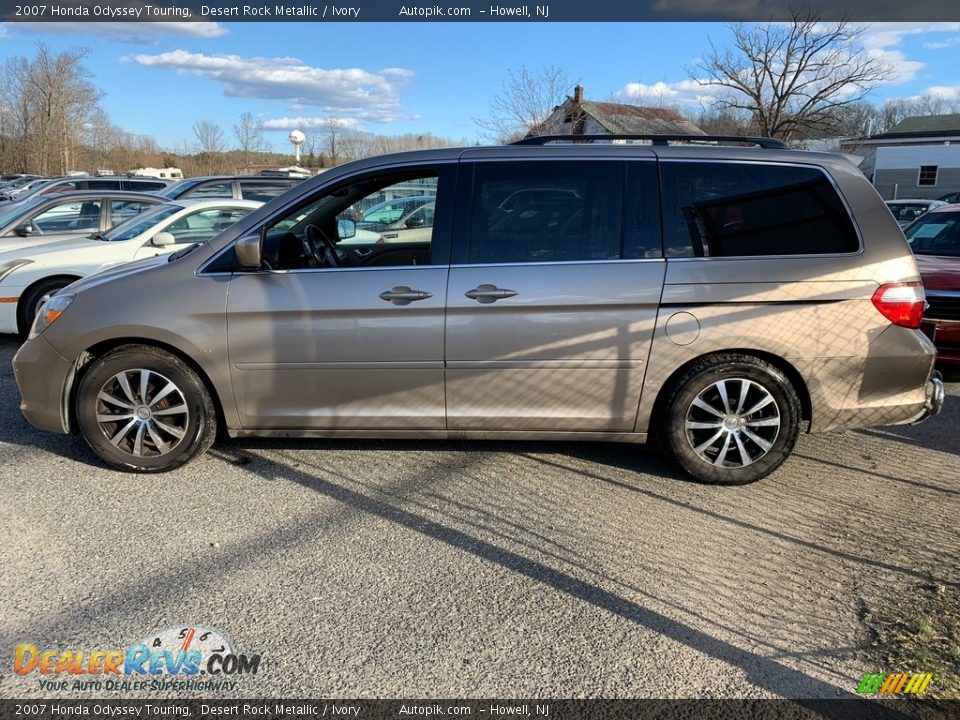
(141, 408)
(731, 419)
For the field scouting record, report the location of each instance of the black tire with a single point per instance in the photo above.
(30, 302)
(159, 448)
(738, 435)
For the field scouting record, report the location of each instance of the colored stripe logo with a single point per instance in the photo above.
(894, 683)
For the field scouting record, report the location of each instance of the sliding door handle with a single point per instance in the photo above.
(489, 293)
(402, 295)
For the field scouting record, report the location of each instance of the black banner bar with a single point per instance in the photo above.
(469, 10)
(260, 709)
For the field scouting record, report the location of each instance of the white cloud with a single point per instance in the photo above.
(939, 45)
(946, 93)
(305, 123)
(881, 40)
(682, 93)
(339, 92)
(137, 33)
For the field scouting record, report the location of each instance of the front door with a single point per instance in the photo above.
(342, 330)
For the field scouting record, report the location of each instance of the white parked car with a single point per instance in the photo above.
(30, 275)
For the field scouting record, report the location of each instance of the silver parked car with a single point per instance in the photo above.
(906, 211)
(52, 218)
(724, 298)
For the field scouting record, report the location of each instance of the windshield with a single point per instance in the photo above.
(141, 223)
(935, 234)
(9, 214)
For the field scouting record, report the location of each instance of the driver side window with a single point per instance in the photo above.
(376, 222)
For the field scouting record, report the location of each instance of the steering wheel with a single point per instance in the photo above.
(319, 248)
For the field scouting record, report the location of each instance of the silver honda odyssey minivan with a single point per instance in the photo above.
(723, 295)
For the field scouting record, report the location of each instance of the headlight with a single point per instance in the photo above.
(49, 312)
(8, 267)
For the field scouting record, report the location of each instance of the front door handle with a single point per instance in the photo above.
(489, 293)
(402, 295)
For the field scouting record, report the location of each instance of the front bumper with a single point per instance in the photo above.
(41, 374)
(8, 312)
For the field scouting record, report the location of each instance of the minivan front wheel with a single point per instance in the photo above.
(143, 409)
(732, 419)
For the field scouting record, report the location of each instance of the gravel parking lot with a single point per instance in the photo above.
(428, 569)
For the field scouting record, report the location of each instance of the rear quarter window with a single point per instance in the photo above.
(262, 190)
(728, 209)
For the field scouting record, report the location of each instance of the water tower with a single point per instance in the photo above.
(297, 138)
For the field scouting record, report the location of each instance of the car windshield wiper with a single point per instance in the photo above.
(98, 236)
(180, 253)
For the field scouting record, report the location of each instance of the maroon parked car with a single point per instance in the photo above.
(935, 240)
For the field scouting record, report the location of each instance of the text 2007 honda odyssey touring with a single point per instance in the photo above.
(722, 297)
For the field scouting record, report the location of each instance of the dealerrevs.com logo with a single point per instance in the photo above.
(171, 659)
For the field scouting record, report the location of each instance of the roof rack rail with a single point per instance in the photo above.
(764, 142)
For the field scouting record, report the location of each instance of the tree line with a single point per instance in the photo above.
(794, 80)
(52, 122)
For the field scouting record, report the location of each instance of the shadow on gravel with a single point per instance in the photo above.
(200, 571)
(776, 534)
(761, 671)
(874, 473)
(934, 433)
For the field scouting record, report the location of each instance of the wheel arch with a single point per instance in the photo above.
(68, 277)
(106, 346)
(789, 371)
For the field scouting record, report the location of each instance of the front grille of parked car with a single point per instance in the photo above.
(943, 307)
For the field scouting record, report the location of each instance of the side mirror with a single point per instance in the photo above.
(248, 252)
(346, 228)
(415, 223)
(25, 230)
(163, 238)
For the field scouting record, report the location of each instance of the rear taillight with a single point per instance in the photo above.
(901, 303)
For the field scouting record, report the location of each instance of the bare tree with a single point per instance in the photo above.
(525, 102)
(46, 103)
(249, 134)
(210, 146)
(209, 137)
(792, 78)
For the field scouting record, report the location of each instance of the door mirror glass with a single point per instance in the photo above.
(25, 230)
(248, 252)
(346, 228)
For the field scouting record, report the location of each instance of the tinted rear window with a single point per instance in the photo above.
(546, 212)
(262, 190)
(726, 209)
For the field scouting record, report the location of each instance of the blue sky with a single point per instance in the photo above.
(391, 78)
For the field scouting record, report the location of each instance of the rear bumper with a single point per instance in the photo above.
(41, 374)
(935, 394)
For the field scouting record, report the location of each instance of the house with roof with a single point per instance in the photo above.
(918, 157)
(578, 116)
